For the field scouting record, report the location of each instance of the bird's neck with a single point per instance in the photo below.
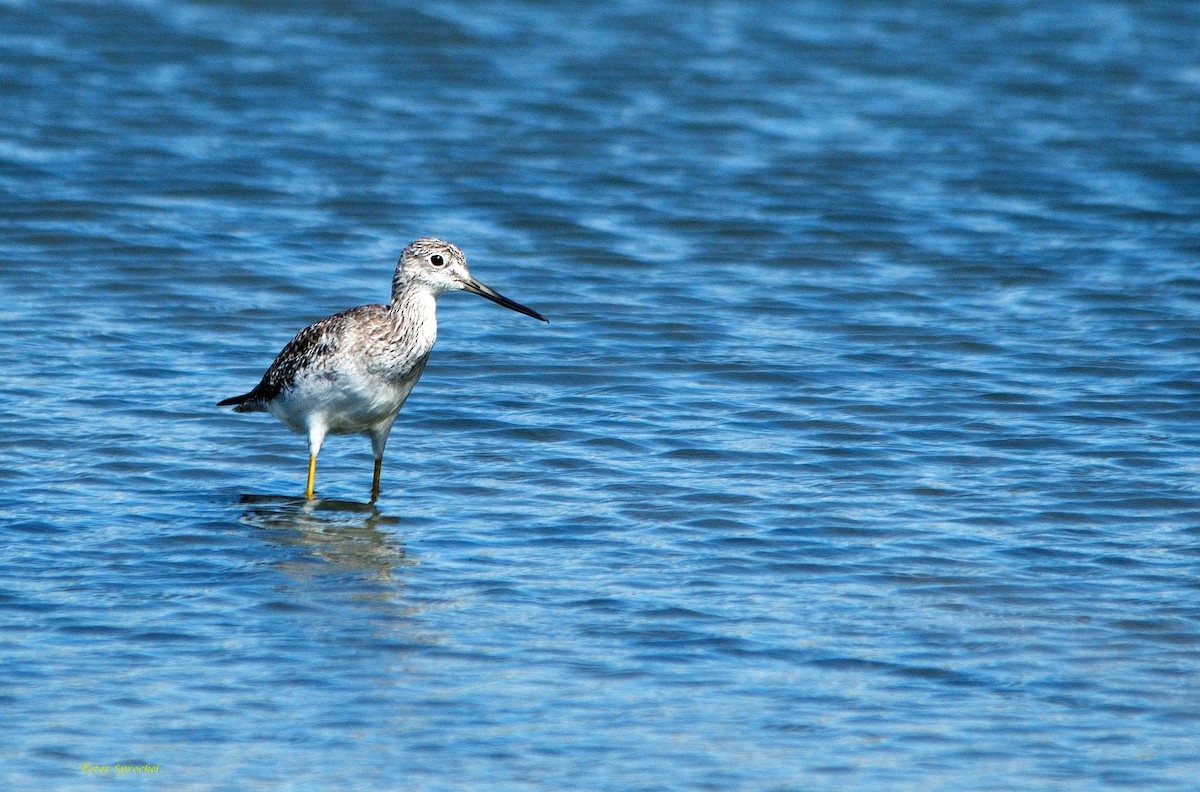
(415, 309)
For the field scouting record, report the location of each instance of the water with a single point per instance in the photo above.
(862, 450)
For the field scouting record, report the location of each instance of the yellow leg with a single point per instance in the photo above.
(375, 481)
(312, 476)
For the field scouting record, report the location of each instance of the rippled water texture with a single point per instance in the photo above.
(861, 451)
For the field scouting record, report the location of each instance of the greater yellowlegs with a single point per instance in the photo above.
(350, 373)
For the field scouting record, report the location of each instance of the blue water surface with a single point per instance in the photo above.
(862, 450)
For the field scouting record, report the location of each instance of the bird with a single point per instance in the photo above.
(350, 373)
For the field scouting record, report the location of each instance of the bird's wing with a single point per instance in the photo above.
(314, 349)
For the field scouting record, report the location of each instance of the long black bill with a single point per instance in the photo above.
(475, 287)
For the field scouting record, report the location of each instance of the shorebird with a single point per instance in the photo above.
(351, 372)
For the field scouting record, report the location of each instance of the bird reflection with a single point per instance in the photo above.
(343, 534)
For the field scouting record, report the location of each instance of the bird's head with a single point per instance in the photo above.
(439, 267)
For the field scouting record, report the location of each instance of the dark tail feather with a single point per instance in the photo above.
(243, 403)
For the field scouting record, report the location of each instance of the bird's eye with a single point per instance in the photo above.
(436, 260)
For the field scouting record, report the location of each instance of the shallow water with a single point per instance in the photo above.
(861, 451)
